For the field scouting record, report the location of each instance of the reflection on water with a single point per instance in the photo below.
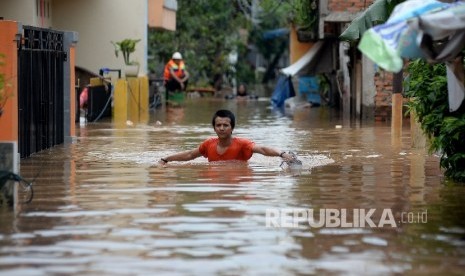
(102, 207)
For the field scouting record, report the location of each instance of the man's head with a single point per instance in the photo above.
(223, 113)
(177, 56)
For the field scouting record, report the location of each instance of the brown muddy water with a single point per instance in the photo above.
(101, 206)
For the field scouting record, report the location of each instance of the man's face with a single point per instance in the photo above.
(177, 61)
(223, 127)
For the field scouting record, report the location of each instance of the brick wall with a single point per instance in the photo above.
(348, 5)
(383, 97)
(383, 79)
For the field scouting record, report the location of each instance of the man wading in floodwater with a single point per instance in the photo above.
(225, 147)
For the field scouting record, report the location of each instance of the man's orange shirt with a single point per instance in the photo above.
(240, 149)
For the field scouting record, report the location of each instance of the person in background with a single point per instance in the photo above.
(83, 97)
(225, 147)
(217, 82)
(175, 75)
(242, 92)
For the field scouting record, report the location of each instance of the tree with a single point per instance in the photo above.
(206, 32)
(265, 16)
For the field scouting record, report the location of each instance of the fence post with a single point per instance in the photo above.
(9, 48)
(11, 32)
(144, 99)
(397, 105)
(69, 98)
(120, 104)
(133, 99)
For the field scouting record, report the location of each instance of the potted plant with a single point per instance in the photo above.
(126, 47)
(306, 20)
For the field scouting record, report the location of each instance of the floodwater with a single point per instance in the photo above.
(102, 207)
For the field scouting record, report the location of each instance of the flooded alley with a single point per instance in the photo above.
(102, 205)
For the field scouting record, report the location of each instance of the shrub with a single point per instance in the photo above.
(427, 86)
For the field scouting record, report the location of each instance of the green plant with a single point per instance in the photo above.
(206, 32)
(4, 94)
(324, 85)
(427, 87)
(306, 14)
(126, 47)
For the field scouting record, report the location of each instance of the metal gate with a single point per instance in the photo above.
(40, 90)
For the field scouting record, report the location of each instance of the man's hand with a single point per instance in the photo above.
(287, 157)
(162, 162)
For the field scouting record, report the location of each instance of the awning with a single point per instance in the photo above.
(376, 13)
(427, 29)
(341, 17)
(296, 67)
(389, 43)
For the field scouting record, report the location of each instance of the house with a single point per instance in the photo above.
(80, 32)
(97, 23)
(360, 90)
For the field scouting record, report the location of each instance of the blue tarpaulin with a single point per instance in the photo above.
(275, 33)
(308, 85)
(283, 90)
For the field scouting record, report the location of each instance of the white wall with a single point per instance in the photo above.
(23, 11)
(100, 21)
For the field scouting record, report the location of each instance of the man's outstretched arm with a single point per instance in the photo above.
(268, 151)
(181, 156)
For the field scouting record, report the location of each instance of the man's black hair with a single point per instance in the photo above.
(224, 113)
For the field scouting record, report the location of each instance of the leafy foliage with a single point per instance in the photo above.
(4, 85)
(427, 86)
(2, 79)
(207, 31)
(306, 13)
(127, 47)
(273, 15)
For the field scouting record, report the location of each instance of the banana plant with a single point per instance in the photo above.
(126, 47)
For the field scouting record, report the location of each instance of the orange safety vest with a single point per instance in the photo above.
(179, 70)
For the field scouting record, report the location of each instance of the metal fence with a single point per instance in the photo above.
(40, 89)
